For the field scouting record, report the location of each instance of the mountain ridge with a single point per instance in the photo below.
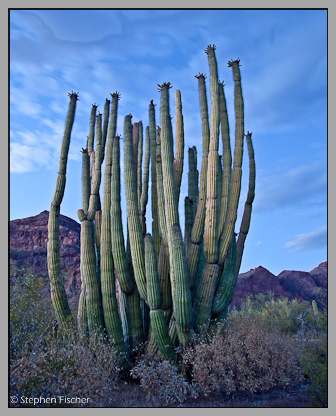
(28, 250)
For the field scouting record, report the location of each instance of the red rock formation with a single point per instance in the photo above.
(28, 250)
(258, 280)
(28, 247)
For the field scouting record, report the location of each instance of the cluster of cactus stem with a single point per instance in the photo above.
(156, 289)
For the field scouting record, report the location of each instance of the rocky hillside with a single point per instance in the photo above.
(28, 247)
(28, 250)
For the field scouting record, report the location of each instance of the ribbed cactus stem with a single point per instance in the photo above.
(211, 223)
(139, 163)
(135, 141)
(236, 174)
(152, 136)
(110, 305)
(161, 334)
(181, 294)
(82, 321)
(134, 226)
(198, 227)
(160, 191)
(117, 235)
(226, 283)
(152, 275)
(246, 219)
(227, 157)
(134, 313)
(169, 190)
(179, 143)
(86, 182)
(193, 179)
(189, 220)
(204, 297)
(58, 295)
(90, 278)
(92, 128)
(105, 123)
(94, 201)
(197, 232)
(145, 180)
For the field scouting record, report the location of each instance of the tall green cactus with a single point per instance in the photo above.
(58, 295)
(182, 284)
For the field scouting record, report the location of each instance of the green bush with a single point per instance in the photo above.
(289, 316)
(315, 368)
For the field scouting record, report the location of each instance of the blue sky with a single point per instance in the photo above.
(96, 52)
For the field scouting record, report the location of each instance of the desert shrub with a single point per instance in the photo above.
(315, 368)
(67, 366)
(289, 316)
(162, 378)
(244, 356)
(46, 361)
(31, 316)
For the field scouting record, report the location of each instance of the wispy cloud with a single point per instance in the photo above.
(298, 185)
(313, 240)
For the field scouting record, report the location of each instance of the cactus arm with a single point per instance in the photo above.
(86, 183)
(139, 164)
(160, 191)
(198, 225)
(211, 225)
(92, 129)
(182, 295)
(179, 144)
(235, 182)
(145, 180)
(134, 226)
(167, 157)
(246, 219)
(193, 179)
(189, 219)
(152, 136)
(82, 320)
(204, 296)
(117, 235)
(90, 278)
(153, 281)
(227, 157)
(226, 283)
(105, 123)
(58, 295)
(94, 201)
(134, 314)
(158, 322)
(110, 305)
(135, 142)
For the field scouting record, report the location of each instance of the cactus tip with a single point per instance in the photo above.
(200, 75)
(116, 95)
(165, 84)
(232, 62)
(73, 94)
(210, 48)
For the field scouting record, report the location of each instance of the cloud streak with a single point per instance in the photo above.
(298, 185)
(313, 240)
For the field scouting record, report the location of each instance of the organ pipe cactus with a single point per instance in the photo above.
(181, 284)
(58, 295)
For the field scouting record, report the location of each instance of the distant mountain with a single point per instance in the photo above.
(289, 283)
(28, 247)
(28, 250)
